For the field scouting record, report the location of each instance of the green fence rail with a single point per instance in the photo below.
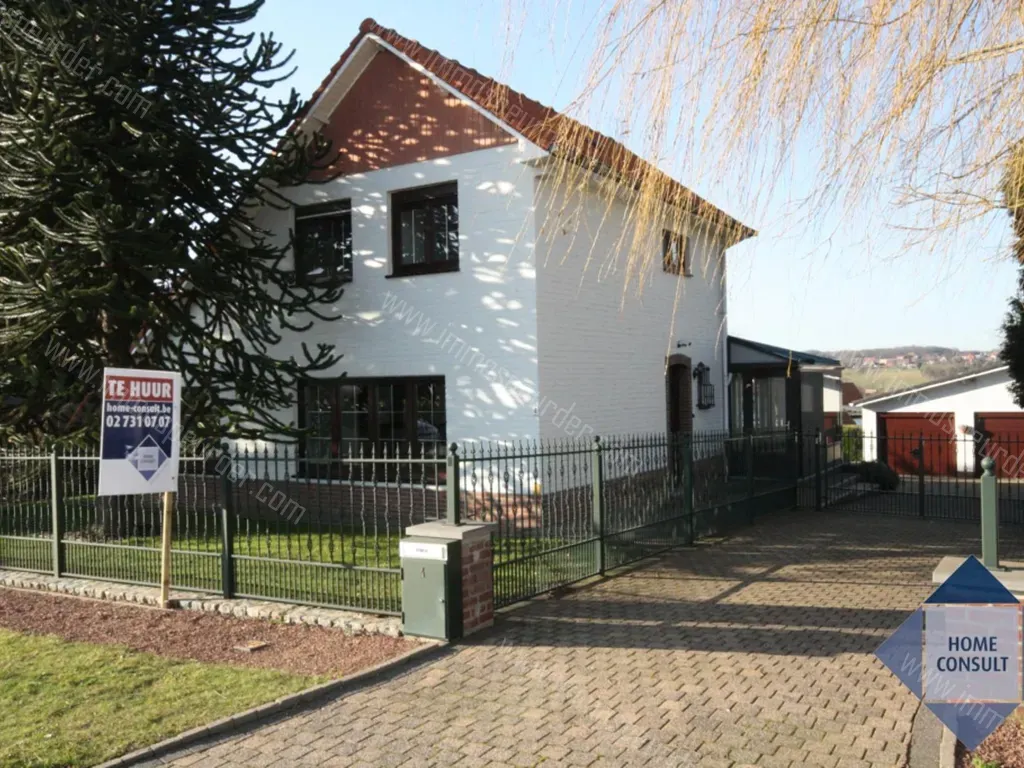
(274, 524)
(566, 511)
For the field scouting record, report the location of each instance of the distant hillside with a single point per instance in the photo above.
(910, 349)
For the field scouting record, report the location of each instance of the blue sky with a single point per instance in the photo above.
(792, 285)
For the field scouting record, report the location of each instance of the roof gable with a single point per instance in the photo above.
(988, 371)
(393, 114)
(551, 131)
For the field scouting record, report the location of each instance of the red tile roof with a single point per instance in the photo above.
(548, 129)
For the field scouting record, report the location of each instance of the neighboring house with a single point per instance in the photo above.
(774, 388)
(958, 419)
(483, 299)
(851, 394)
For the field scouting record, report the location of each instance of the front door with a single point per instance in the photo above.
(680, 399)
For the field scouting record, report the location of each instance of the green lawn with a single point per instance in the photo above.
(885, 379)
(293, 570)
(78, 704)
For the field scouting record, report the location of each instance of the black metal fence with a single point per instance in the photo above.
(566, 511)
(921, 475)
(271, 524)
(256, 524)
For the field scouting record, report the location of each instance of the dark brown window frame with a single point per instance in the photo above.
(374, 444)
(670, 265)
(334, 208)
(411, 199)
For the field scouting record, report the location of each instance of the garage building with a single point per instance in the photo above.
(958, 420)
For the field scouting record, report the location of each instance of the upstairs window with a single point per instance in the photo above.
(425, 230)
(676, 253)
(323, 243)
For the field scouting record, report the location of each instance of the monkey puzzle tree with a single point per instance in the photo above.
(137, 144)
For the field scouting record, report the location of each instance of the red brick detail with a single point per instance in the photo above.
(394, 115)
(539, 123)
(477, 585)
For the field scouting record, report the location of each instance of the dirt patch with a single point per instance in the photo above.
(1004, 748)
(295, 648)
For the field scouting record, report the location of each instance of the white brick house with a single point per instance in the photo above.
(485, 302)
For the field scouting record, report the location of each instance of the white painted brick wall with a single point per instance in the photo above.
(602, 344)
(554, 335)
(450, 324)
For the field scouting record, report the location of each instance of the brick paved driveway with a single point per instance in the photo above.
(754, 651)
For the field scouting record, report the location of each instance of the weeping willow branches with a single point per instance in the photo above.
(918, 103)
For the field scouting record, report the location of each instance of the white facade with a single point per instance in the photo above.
(963, 397)
(536, 335)
(476, 327)
(603, 342)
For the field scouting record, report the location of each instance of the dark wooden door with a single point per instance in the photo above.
(902, 435)
(680, 399)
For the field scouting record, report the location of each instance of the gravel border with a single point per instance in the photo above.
(350, 622)
(265, 711)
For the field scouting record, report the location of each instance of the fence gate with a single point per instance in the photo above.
(925, 475)
(566, 511)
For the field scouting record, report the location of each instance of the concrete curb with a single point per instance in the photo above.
(266, 711)
(947, 750)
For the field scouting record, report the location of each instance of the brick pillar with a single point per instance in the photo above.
(477, 583)
(475, 570)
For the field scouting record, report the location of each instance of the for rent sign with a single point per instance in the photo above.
(140, 430)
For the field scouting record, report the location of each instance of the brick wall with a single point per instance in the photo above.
(477, 584)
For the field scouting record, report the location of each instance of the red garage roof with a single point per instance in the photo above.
(550, 130)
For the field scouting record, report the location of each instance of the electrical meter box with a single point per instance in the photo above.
(431, 587)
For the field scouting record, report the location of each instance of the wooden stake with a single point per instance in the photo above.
(165, 550)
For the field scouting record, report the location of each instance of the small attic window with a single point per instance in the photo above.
(677, 253)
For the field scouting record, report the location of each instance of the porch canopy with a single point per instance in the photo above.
(775, 388)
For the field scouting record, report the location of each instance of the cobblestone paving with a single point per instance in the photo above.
(756, 651)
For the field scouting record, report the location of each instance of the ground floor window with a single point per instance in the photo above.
(769, 404)
(767, 400)
(353, 420)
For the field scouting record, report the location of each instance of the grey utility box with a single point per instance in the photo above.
(431, 587)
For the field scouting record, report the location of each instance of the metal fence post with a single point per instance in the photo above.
(920, 475)
(750, 476)
(227, 530)
(691, 517)
(597, 468)
(454, 511)
(817, 470)
(989, 515)
(57, 508)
